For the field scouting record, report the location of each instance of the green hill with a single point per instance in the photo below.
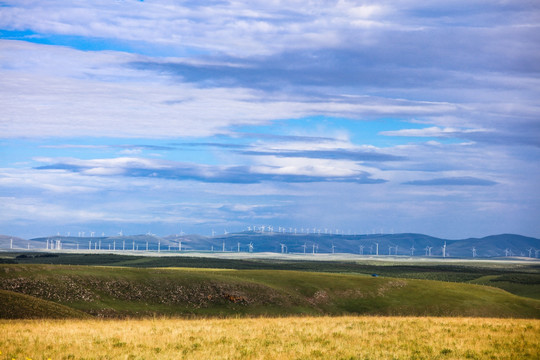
(126, 292)
(20, 306)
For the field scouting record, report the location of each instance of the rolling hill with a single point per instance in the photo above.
(134, 292)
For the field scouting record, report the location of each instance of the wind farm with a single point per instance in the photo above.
(353, 180)
(257, 242)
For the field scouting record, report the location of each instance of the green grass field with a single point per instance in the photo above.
(135, 292)
(520, 279)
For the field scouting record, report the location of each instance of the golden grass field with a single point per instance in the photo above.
(272, 338)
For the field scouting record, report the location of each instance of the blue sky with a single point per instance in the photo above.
(362, 116)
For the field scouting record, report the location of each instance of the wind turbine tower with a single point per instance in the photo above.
(376, 248)
(250, 247)
(444, 250)
(412, 250)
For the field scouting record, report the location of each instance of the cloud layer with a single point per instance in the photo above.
(357, 114)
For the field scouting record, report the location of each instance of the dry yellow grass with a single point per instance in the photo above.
(272, 338)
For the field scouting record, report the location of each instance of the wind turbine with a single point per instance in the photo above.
(238, 247)
(361, 249)
(412, 250)
(250, 245)
(333, 249)
(282, 248)
(377, 249)
(444, 250)
(530, 252)
(473, 252)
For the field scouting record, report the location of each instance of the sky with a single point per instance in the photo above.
(197, 116)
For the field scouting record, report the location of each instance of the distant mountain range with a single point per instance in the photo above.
(504, 245)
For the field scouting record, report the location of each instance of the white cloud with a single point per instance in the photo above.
(98, 96)
(433, 132)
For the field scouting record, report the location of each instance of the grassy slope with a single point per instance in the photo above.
(106, 291)
(522, 280)
(20, 306)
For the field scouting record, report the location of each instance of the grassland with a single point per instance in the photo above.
(134, 292)
(351, 338)
(20, 306)
(519, 278)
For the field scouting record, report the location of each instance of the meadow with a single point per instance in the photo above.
(517, 277)
(366, 338)
(120, 292)
(121, 307)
